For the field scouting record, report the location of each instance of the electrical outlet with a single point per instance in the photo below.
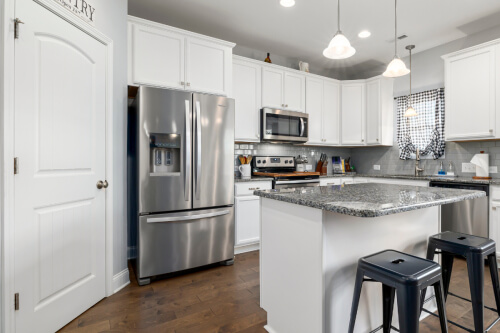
(468, 167)
(243, 146)
(493, 169)
(376, 167)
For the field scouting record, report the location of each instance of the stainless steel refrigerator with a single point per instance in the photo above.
(181, 180)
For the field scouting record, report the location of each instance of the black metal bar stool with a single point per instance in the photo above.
(475, 249)
(405, 275)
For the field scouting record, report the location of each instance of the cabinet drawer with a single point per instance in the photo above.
(495, 193)
(248, 188)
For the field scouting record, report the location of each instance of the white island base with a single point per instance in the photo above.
(308, 262)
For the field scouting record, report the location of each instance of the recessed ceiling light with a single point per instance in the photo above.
(287, 3)
(364, 34)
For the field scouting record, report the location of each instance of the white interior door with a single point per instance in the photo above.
(60, 86)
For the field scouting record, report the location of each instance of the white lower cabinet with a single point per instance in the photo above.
(363, 180)
(336, 181)
(247, 215)
(495, 216)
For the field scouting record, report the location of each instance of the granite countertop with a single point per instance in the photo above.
(252, 179)
(370, 200)
(425, 177)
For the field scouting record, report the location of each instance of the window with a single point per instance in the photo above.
(425, 131)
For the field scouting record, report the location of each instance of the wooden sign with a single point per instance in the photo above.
(81, 8)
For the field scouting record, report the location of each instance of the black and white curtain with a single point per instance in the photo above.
(425, 131)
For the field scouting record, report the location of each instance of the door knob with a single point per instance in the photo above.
(106, 184)
(102, 184)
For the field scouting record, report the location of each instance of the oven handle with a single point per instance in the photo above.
(302, 127)
(284, 182)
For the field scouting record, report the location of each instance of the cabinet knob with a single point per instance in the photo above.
(363, 140)
(182, 83)
(491, 130)
(286, 105)
(377, 139)
(189, 84)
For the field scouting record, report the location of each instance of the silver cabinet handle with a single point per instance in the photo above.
(254, 188)
(198, 150)
(286, 105)
(182, 83)
(187, 152)
(189, 84)
(106, 184)
(186, 217)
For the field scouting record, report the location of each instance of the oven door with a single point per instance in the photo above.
(288, 126)
(279, 184)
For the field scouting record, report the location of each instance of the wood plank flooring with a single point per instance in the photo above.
(226, 300)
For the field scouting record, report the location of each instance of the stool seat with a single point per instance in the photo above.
(402, 275)
(393, 267)
(458, 243)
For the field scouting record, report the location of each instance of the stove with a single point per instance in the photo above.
(282, 170)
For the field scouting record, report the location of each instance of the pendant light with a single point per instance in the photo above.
(410, 112)
(339, 47)
(396, 67)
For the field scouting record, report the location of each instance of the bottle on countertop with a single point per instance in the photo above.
(451, 170)
(268, 59)
(441, 171)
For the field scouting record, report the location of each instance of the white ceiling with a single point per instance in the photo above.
(303, 31)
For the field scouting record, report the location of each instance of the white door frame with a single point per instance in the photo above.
(7, 218)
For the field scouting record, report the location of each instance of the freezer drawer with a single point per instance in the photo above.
(177, 241)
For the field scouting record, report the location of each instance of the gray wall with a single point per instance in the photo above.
(428, 73)
(111, 20)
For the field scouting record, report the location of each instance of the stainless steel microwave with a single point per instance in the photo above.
(284, 126)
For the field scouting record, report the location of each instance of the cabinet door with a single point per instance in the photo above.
(157, 57)
(470, 95)
(331, 113)
(353, 114)
(247, 95)
(314, 107)
(208, 66)
(373, 110)
(330, 181)
(247, 220)
(295, 92)
(272, 88)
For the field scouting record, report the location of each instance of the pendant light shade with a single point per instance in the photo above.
(410, 112)
(339, 47)
(396, 67)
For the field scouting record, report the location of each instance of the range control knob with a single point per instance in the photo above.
(258, 162)
(286, 162)
(263, 162)
(291, 161)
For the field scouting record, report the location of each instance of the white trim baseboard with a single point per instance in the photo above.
(247, 248)
(121, 280)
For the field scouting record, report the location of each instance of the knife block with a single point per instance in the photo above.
(319, 166)
(324, 169)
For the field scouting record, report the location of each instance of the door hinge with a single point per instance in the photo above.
(16, 301)
(16, 27)
(16, 165)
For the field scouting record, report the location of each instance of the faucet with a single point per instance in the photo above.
(418, 170)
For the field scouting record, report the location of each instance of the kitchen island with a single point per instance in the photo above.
(312, 238)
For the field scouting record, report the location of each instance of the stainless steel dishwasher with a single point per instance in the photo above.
(469, 216)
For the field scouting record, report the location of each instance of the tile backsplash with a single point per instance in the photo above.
(274, 149)
(456, 153)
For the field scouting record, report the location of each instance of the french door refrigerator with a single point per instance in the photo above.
(181, 180)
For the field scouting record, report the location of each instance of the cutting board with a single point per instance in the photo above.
(290, 174)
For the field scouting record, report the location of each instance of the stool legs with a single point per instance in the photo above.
(408, 309)
(431, 249)
(440, 299)
(388, 295)
(475, 268)
(492, 261)
(360, 274)
(447, 265)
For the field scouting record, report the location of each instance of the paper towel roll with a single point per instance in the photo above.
(482, 162)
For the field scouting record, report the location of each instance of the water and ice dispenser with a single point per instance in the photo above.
(165, 154)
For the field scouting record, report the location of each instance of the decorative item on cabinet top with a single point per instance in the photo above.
(304, 66)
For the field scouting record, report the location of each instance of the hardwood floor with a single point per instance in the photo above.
(226, 300)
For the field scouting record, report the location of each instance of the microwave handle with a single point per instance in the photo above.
(302, 127)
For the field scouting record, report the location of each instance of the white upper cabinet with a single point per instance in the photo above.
(247, 94)
(379, 111)
(322, 105)
(353, 112)
(167, 57)
(272, 87)
(472, 97)
(282, 89)
(295, 91)
(165, 66)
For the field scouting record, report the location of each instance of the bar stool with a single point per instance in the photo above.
(405, 275)
(474, 249)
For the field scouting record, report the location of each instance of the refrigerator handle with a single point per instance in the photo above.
(187, 152)
(186, 217)
(198, 150)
